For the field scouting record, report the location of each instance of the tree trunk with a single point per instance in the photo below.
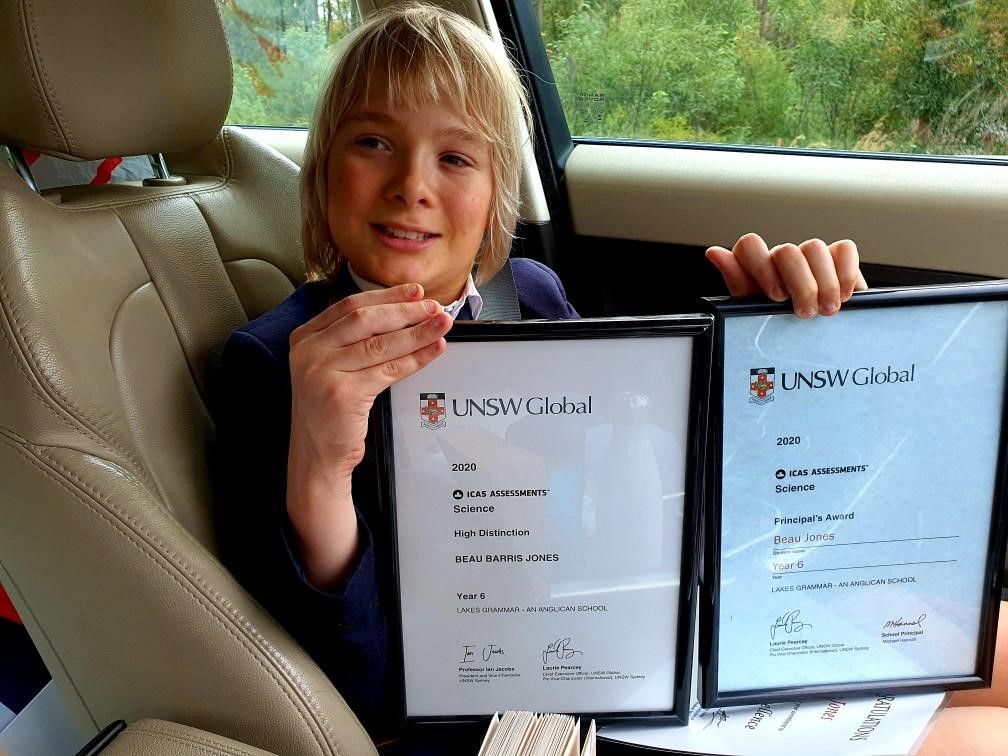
(766, 30)
(311, 17)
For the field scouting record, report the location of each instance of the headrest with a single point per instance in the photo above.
(103, 78)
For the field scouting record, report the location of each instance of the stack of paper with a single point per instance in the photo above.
(522, 733)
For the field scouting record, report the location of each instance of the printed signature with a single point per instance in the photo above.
(561, 649)
(789, 623)
(900, 622)
(488, 651)
(718, 716)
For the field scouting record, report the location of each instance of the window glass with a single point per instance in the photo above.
(915, 76)
(281, 52)
(49, 172)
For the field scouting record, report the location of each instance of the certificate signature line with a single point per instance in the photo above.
(860, 543)
(866, 566)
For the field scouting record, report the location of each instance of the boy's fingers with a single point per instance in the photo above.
(389, 372)
(362, 323)
(378, 349)
(794, 269)
(817, 277)
(366, 322)
(410, 292)
(820, 262)
(736, 279)
(847, 263)
(752, 254)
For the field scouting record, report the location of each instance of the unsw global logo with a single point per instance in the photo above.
(432, 411)
(761, 385)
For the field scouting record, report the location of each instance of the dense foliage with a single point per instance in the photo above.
(921, 76)
(281, 52)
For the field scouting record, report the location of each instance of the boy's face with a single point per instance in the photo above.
(409, 195)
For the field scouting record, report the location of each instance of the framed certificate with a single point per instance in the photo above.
(545, 486)
(855, 525)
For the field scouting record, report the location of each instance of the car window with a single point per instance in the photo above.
(50, 172)
(281, 51)
(910, 76)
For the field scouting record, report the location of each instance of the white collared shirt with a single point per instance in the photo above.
(469, 294)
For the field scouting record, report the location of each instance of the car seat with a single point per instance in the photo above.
(114, 301)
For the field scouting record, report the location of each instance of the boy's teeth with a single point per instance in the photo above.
(412, 235)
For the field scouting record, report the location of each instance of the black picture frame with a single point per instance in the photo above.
(990, 592)
(697, 327)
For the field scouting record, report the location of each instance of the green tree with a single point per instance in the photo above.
(281, 51)
(765, 111)
(948, 92)
(655, 62)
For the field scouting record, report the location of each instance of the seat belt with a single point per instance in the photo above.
(500, 297)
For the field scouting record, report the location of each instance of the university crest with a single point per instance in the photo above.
(761, 383)
(432, 411)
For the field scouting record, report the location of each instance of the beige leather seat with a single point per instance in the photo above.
(113, 302)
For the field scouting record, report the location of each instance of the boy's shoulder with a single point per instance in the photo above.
(540, 292)
(273, 328)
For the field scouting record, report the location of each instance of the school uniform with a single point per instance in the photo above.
(345, 630)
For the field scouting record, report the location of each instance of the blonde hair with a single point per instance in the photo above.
(421, 55)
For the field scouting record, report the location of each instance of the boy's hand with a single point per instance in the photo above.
(340, 361)
(817, 277)
(344, 357)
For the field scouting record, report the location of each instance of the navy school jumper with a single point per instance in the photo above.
(345, 630)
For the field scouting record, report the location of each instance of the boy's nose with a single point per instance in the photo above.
(410, 185)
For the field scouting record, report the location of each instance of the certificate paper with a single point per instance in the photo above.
(540, 510)
(859, 472)
(879, 725)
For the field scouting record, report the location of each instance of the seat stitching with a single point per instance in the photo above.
(168, 554)
(37, 89)
(38, 394)
(46, 401)
(80, 420)
(197, 736)
(229, 158)
(48, 85)
(201, 745)
(156, 727)
(229, 165)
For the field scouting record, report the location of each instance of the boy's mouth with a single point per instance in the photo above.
(402, 233)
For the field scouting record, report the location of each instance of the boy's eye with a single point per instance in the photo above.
(456, 160)
(370, 143)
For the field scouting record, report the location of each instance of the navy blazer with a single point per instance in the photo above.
(344, 630)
